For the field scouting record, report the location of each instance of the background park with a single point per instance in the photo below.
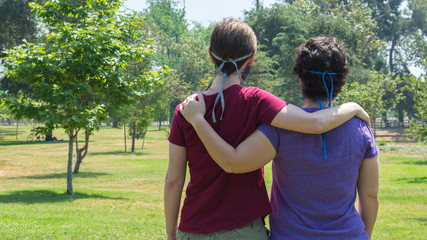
(104, 82)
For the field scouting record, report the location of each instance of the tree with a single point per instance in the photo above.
(16, 23)
(283, 27)
(89, 43)
(153, 105)
(371, 95)
(403, 28)
(183, 50)
(168, 17)
(419, 88)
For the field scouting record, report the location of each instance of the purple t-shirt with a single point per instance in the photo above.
(313, 197)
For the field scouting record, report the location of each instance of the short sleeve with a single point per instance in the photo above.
(176, 135)
(272, 134)
(371, 148)
(268, 106)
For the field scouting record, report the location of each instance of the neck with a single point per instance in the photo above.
(232, 80)
(311, 103)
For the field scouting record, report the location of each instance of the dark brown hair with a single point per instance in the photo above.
(320, 54)
(231, 39)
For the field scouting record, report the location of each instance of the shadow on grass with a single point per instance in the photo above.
(9, 143)
(46, 196)
(422, 220)
(118, 153)
(416, 162)
(6, 133)
(414, 180)
(64, 175)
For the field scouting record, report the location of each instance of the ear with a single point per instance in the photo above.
(251, 59)
(212, 60)
(249, 62)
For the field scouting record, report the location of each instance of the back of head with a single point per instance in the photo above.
(320, 54)
(231, 39)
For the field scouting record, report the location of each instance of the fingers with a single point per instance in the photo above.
(186, 103)
(192, 97)
(201, 98)
(366, 118)
(181, 108)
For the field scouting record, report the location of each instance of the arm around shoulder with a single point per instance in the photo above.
(251, 154)
(295, 119)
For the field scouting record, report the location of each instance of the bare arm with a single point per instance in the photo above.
(295, 119)
(367, 187)
(250, 155)
(174, 183)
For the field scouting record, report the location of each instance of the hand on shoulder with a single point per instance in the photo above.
(192, 108)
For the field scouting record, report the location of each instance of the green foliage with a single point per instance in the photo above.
(168, 18)
(283, 27)
(382, 142)
(79, 68)
(80, 64)
(16, 23)
(370, 95)
(262, 71)
(418, 129)
(184, 50)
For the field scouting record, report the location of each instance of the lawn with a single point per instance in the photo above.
(119, 195)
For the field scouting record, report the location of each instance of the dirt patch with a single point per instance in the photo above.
(392, 135)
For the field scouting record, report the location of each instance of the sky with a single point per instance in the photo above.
(206, 11)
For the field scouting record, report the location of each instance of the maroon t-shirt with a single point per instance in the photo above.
(216, 200)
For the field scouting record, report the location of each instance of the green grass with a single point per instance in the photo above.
(119, 195)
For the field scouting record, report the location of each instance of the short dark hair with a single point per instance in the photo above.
(231, 39)
(320, 54)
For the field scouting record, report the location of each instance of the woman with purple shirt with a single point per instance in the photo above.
(315, 177)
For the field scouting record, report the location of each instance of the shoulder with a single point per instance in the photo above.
(254, 91)
(177, 108)
(177, 117)
(357, 126)
(356, 122)
(259, 94)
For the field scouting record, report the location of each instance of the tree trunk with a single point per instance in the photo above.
(385, 120)
(160, 124)
(70, 163)
(133, 135)
(17, 124)
(115, 124)
(143, 137)
(390, 57)
(401, 115)
(124, 133)
(79, 152)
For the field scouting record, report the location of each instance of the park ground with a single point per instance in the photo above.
(119, 195)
